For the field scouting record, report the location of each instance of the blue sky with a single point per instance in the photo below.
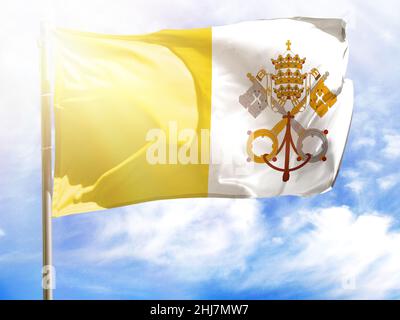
(342, 244)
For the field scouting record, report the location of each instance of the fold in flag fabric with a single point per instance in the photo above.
(254, 109)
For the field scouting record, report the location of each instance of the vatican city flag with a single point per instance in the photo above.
(254, 109)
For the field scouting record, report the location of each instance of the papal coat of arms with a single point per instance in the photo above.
(288, 91)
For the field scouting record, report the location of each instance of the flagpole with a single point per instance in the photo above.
(48, 270)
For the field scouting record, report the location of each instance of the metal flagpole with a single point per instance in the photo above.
(48, 270)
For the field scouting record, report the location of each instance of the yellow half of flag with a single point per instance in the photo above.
(109, 92)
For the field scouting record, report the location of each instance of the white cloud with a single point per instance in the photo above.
(202, 235)
(336, 247)
(389, 181)
(357, 185)
(350, 174)
(356, 181)
(330, 252)
(392, 148)
(371, 165)
(2, 233)
(363, 142)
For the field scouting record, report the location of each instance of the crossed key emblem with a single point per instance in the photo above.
(288, 86)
